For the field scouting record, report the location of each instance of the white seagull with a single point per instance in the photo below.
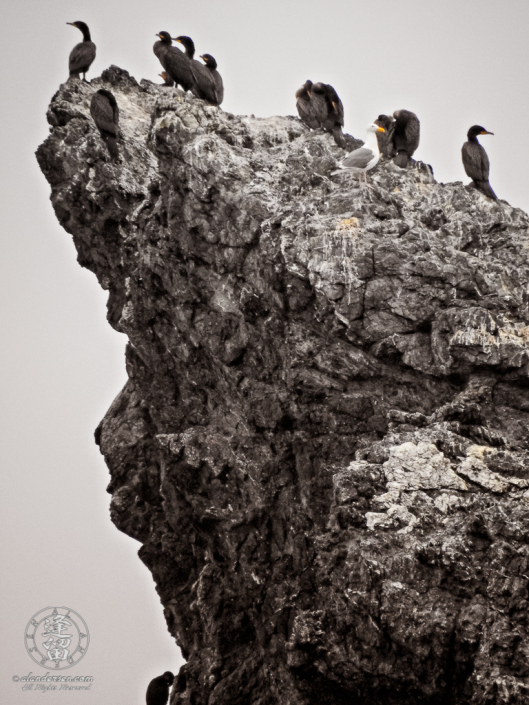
(363, 159)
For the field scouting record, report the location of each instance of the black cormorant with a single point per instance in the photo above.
(174, 61)
(105, 113)
(158, 689)
(305, 106)
(204, 87)
(361, 160)
(329, 110)
(476, 161)
(160, 47)
(168, 81)
(83, 54)
(404, 136)
(211, 66)
(385, 121)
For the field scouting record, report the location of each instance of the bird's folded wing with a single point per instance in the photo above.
(103, 114)
(177, 64)
(81, 55)
(338, 109)
(413, 132)
(219, 87)
(204, 82)
(307, 114)
(359, 159)
(475, 161)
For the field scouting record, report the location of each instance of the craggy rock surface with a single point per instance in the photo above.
(323, 443)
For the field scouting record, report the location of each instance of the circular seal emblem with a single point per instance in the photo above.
(57, 637)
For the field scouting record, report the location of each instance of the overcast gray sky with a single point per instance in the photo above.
(454, 63)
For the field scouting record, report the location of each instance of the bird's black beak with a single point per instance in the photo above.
(72, 24)
(486, 132)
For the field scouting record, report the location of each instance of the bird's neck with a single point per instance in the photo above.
(190, 50)
(86, 35)
(473, 138)
(372, 142)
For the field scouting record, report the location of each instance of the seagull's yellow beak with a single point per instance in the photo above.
(381, 129)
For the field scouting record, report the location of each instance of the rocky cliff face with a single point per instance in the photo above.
(323, 443)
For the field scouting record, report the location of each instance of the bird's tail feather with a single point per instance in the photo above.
(485, 188)
(339, 137)
(112, 146)
(401, 160)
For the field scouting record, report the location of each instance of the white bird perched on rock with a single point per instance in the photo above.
(365, 158)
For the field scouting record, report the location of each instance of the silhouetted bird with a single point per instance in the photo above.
(476, 161)
(305, 106)
(204, 87)
(158, 690)
(174, 61)
(83, 54)
(385, 121)
(105, 113)
(404, 136)
(329, 110)
(365, 158)
(211, 66)
(168, 81)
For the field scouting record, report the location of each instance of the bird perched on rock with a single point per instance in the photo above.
(174, 61)
(83, 54)
(105, 113)
(404, 136)
(365, 158)
(168, 81)
(211, 66)
(386, 122)
(329, 110)
(204, 87)
(162, 44)
(158, 689)
(305, 106)
(476, 161)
